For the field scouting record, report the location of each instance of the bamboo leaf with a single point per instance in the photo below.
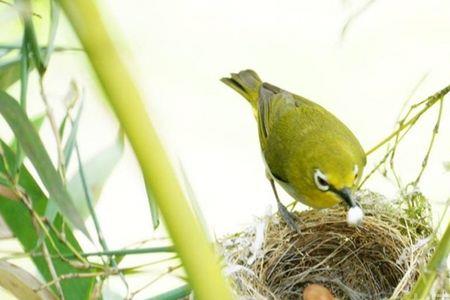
(19, 221)
(51, 210)
(54, 20)
(37, 122)
(9, 73)
(24, 72)
(35, 151)
(97, 170)
(70, 143)
(22, 284)
(153, 207)
(34, 46)
(177, 293)
(20, 155)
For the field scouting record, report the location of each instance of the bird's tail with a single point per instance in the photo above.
(246, 83)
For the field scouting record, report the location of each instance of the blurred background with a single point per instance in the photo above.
(363, 60)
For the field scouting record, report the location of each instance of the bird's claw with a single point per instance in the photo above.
(288, 217)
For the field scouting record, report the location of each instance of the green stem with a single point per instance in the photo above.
(42, 48)
(24, 65)
(436, 265)
(24, 68)
(131, 251)
(198, 258)
(121, 252)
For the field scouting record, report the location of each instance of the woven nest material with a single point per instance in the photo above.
(377, 260)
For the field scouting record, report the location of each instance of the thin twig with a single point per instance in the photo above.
(42, 48)
(135, 268)
(54, 126)
(52, 270)
(400, 122)
(40, 222)
(71, 276)
(62, 239)
(168, 271)
(430, 101)
(353, 17)
(430, 145)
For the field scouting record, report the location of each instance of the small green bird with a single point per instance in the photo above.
(307, 150)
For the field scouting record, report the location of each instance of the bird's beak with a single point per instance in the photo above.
(346, 195)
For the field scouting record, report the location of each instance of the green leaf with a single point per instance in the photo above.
(20, 155)
(192, 197)
(9, 73)
(51, 210)
(153, 207)
(34, 46)
(177, 293)
(37, 122)
(54, 20)
(96, 170)
(18, 219)
(70, 143)
(35, 151)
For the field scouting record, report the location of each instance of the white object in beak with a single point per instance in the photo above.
(355, 216)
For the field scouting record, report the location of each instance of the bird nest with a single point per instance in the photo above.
(377, 260)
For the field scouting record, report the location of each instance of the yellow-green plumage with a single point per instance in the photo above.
(299, 137)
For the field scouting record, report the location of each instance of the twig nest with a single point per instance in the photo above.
(378, 259)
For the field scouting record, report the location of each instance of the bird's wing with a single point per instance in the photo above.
(272, 103)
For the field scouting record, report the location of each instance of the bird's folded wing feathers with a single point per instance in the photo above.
(272, 103)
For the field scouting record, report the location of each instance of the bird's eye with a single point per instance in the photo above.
(356, 171)
(321, 181)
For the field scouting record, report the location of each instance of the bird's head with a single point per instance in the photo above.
(330, 176)
(335, 184)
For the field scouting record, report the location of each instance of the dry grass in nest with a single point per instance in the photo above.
(379, 259)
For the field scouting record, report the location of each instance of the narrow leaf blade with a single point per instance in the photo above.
(177, 293)
(35, 151)
(9, 73)
(97, 170)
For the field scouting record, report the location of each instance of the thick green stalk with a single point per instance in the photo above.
(437, 264)
(195, 251)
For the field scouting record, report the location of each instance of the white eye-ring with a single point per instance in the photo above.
(321, 181)
(356, 171)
